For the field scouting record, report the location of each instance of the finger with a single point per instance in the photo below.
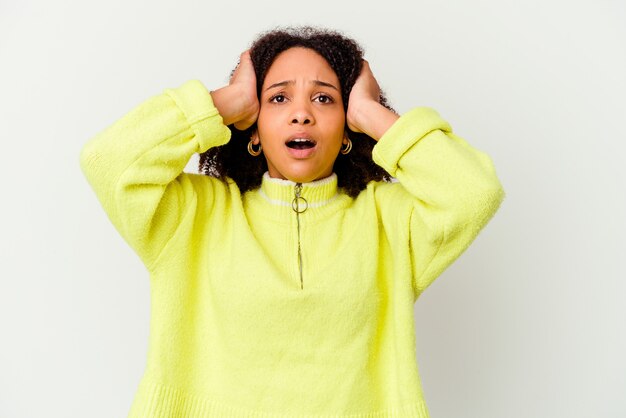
(366, 66)
(233, 73)
(245, 56)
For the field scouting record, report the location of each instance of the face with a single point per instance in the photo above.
(301, 118)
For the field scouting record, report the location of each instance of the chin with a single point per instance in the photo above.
(301, 178)
(302, 171)
(305, 177)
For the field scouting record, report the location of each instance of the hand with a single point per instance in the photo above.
(364, 91)
(365, 113)
(238, 103)
(245, 78)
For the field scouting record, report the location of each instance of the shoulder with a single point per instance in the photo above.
(385, 195)
(211, 187)
(386, 203)
(386, 190)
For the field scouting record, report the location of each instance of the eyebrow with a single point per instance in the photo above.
(288, 82)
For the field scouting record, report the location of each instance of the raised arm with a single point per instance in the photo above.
(136, 165)
(451, 188)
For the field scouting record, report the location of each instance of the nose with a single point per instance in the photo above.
(301, 114)
(301, 118)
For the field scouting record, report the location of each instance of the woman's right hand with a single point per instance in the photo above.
(238, 103)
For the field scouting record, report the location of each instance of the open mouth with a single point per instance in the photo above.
(301, 143)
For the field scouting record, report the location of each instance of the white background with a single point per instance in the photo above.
(529, 322)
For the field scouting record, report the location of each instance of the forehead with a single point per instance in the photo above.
(300, 63)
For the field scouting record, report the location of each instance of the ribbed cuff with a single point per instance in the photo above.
(196, 103)
(404, 133)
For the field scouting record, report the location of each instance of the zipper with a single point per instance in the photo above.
(299, 205)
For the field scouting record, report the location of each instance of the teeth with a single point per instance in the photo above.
(300, 143)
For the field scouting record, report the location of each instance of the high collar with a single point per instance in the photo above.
(282, 192)
(274, 199)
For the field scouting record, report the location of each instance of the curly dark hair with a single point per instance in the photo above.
(354, 170)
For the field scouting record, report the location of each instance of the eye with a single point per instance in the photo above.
(324, 99)
(280, 98)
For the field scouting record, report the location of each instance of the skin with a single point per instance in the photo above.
(301, 106)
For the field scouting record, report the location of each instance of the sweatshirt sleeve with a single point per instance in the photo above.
(135, 166)
(452, 188)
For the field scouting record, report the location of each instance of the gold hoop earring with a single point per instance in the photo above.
(252, 151)
(348, 147)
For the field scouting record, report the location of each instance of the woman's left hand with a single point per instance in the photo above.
(365, 113)
(364, 91)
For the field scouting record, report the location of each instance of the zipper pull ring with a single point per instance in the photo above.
(299, 201)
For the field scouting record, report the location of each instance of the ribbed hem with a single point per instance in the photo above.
(160, 401)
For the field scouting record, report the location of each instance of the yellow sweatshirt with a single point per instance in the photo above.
(241, 324)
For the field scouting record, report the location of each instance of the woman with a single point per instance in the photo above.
(283, 279)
